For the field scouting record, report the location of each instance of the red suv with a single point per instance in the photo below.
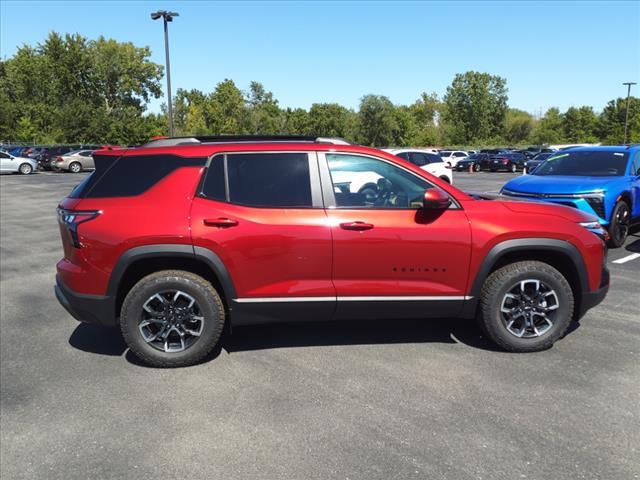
(176, 239)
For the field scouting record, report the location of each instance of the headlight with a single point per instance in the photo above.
(595, 227)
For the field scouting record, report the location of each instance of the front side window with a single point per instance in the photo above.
(459, 154)
(364, 182)
(277, 180)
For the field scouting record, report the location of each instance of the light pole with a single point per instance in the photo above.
(167, 17)
(626, 117)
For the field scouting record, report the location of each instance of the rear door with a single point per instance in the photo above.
(391, 258)
(261, 213)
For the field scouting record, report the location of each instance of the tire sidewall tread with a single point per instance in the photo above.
(500, 281)
(196, 286)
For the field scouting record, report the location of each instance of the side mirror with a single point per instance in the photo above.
(435, 199)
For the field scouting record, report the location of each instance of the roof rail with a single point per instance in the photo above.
(206, 139)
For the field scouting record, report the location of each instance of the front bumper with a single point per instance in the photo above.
(86, 308)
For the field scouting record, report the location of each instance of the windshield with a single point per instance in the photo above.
(445, 153)
(585, 163)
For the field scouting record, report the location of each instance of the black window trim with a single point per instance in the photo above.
(327, 184)
(314, 179)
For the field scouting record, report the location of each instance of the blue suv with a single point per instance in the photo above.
(603, 181)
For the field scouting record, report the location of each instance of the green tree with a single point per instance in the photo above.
(426, 112)
(296, 122)
(264, 116)
(71, 89)
(518, 126)
(549, 128)
(226, 112)
(476, 106)
(330, 120)
(579, 125)
(611, 121)
(378, 122)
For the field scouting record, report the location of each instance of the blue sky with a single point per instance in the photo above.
(551, 53)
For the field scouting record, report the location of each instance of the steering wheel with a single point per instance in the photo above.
(385, 189)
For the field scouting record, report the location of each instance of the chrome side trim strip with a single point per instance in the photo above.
(350, 299)
(401, 298)
(284, 299)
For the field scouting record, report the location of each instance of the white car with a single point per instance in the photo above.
(452, 157)
(11, 164)
(426, 160)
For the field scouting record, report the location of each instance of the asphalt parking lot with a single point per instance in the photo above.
(359, 400)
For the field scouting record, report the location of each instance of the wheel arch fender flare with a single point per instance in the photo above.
(527, 246)
(145, 252)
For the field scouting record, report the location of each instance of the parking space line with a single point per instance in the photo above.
(628, 258)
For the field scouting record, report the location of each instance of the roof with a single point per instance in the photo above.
(602, 148)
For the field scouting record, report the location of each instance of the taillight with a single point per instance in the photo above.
(59, 160)
(73, 218)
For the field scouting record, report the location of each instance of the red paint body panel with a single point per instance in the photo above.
(271, 252)
(305, 252)
(402, 254)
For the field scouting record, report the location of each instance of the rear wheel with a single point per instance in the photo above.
(172, 318)
(25, 169)
(526, 306)
(514, 168)
(476, 167)
(75, 167)
(619, 225)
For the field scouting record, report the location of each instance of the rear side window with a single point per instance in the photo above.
(130, 175)
(213, 186)
(279, 180)
(418, 159)
(432, 158)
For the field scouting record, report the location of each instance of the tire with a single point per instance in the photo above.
(476, 168)
(619, 225)
(445, 179)
(507, 280)
(75, 167)
(25, 169)
(207, 306)
(514, 168)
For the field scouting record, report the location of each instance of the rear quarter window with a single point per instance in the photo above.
(130, 175)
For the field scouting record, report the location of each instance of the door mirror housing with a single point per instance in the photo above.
(435, 199)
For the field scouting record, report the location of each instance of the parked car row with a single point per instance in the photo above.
(69, 158)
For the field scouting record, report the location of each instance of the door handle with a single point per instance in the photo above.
(220, 222)
(357, 226)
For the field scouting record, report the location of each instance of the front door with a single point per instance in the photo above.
(391, 258)
(261, 213)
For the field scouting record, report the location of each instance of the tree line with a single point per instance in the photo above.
(72, 89)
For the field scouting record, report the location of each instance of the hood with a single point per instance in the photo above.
(558, 184)
(539, 207)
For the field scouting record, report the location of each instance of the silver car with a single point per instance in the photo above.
(11, 164)
(74, 162)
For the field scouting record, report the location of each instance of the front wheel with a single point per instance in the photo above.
(619, 226)
(476, 168)
(526, 306)
(25, 169)
(172, 318)
(514, 168)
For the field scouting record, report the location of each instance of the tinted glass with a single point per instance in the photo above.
(4, 155)
(433, 158)
(404, 155)
(363, 182)
(585, 163)
(213, 186)
(635, 165)
(459, 154)
(132, 175)
(445, 153)
(418, 159)
(278, 180)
